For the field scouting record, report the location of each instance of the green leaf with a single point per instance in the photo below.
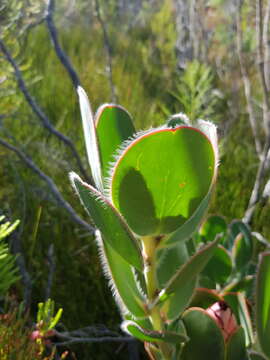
(162, 177)
(242, 249)
(90, 138)
(191, 268)
(135, 330)
(219, 266)
(113, 228)
(114, 126)
(123, 282)
(204, 298)
(238, 304)
(191, 225)
(213, 226)
(169, 261)
(236, 347)
(263, 302)
(206, 339)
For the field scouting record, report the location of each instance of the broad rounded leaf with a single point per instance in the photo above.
(161, 179)
(113, 127)
(206, 339)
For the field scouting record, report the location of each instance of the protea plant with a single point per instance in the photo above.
(151, 191)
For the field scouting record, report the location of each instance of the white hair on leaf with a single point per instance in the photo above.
(90, 138)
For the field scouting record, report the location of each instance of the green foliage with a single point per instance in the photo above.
(8, 269)
(195, 94)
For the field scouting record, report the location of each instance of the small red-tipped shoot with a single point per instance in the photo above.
(224, 317)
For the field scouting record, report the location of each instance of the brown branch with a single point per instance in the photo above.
(53, 188)
(58, 50)
(108, 50)
(246, 82)
(37, 110)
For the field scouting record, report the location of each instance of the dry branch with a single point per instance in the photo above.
(53, 188)
(38, 111)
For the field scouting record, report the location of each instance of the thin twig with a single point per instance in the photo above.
(246, 82)
(58, 50)
(108, 50)
(37, 110)
(51, 267)
(256, 193)
(266, 45)
(57, 195)
(86, 340)
(261, 64)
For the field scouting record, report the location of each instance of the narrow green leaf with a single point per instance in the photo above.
(122, 280)
(236, 347)
(191, 268)
(238, 304)
(158, 191)
(90, 138)
(263, 302)
(112, 226)
(206, 339)
(135, 330)
(242, 249)
(113, 125)
(169, 260)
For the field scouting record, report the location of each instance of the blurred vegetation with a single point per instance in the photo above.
(150, 86)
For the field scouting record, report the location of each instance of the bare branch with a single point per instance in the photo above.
(108, 50)
(58, 50)
(57, 195)
(256, 193)
(51, 270)
(37, 110)
(266, 45)
(246, 82)
(261, 64)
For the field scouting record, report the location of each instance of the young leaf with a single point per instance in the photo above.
(263, 302)
(164, 187)
(238, 304)
(113, 126)
(90, 138)
(242, 249)
(122, 280)
(206, 339)
(113, 228)
(152, 336)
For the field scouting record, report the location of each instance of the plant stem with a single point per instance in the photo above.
(150, 244)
